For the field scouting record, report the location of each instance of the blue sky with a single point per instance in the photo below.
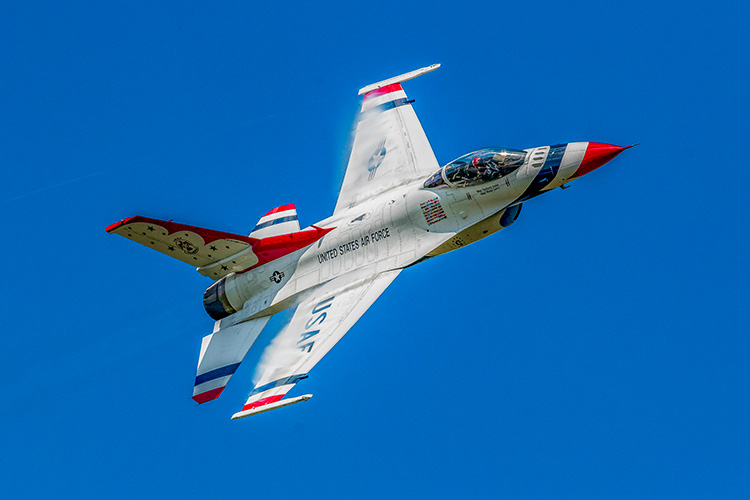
(596, 349)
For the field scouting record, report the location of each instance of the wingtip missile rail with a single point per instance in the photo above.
(272, 406)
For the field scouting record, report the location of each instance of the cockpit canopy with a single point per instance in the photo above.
(481, 166)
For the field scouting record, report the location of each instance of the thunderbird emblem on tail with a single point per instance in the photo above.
(411, 211)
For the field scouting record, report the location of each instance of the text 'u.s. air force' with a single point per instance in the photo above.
(354, 245)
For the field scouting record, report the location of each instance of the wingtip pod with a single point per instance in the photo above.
(398, 79)
(270, 406)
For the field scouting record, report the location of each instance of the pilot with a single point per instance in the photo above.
(478, 164)
(474, 169)
(483, 169)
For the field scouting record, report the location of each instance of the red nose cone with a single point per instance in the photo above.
(597, 154)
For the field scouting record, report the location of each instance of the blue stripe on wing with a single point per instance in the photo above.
(278, 383)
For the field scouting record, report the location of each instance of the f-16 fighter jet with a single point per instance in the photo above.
(397, 207)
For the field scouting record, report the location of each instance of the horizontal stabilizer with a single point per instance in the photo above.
(221, 355)
(270, 406)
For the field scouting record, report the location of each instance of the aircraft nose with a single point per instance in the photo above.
(597, 154)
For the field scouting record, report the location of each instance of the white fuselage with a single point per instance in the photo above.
(393, 231)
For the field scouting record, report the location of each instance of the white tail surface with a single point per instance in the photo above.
(280, 220)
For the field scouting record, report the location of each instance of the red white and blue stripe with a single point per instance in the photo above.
(271, 392)
(221, 355)
(558, 164)
(280, 220)
(382, 99)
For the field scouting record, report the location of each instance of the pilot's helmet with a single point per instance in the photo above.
(476, 161)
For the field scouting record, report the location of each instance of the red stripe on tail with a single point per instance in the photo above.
(208, 395)
(282, 208)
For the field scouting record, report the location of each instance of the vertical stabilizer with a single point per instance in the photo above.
(280, 220)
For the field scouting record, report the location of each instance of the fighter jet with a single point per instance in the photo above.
(397, 207)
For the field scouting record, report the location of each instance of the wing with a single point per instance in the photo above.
(390, 148)
(215, 253)
(319, 321)
(221, 355)
(197, 246)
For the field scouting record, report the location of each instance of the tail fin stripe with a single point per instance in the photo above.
(273, 222)
(283, 208)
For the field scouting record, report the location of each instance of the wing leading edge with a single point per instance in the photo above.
(318, 323)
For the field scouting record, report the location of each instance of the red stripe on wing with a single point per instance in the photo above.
(384, 90)
(262, 402)
(208, 235)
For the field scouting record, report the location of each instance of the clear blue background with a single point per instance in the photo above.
(596, 349)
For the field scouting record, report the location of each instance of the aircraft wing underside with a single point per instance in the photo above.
(320, 320)
(215, 253)
(196, 246)
(390, 148)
